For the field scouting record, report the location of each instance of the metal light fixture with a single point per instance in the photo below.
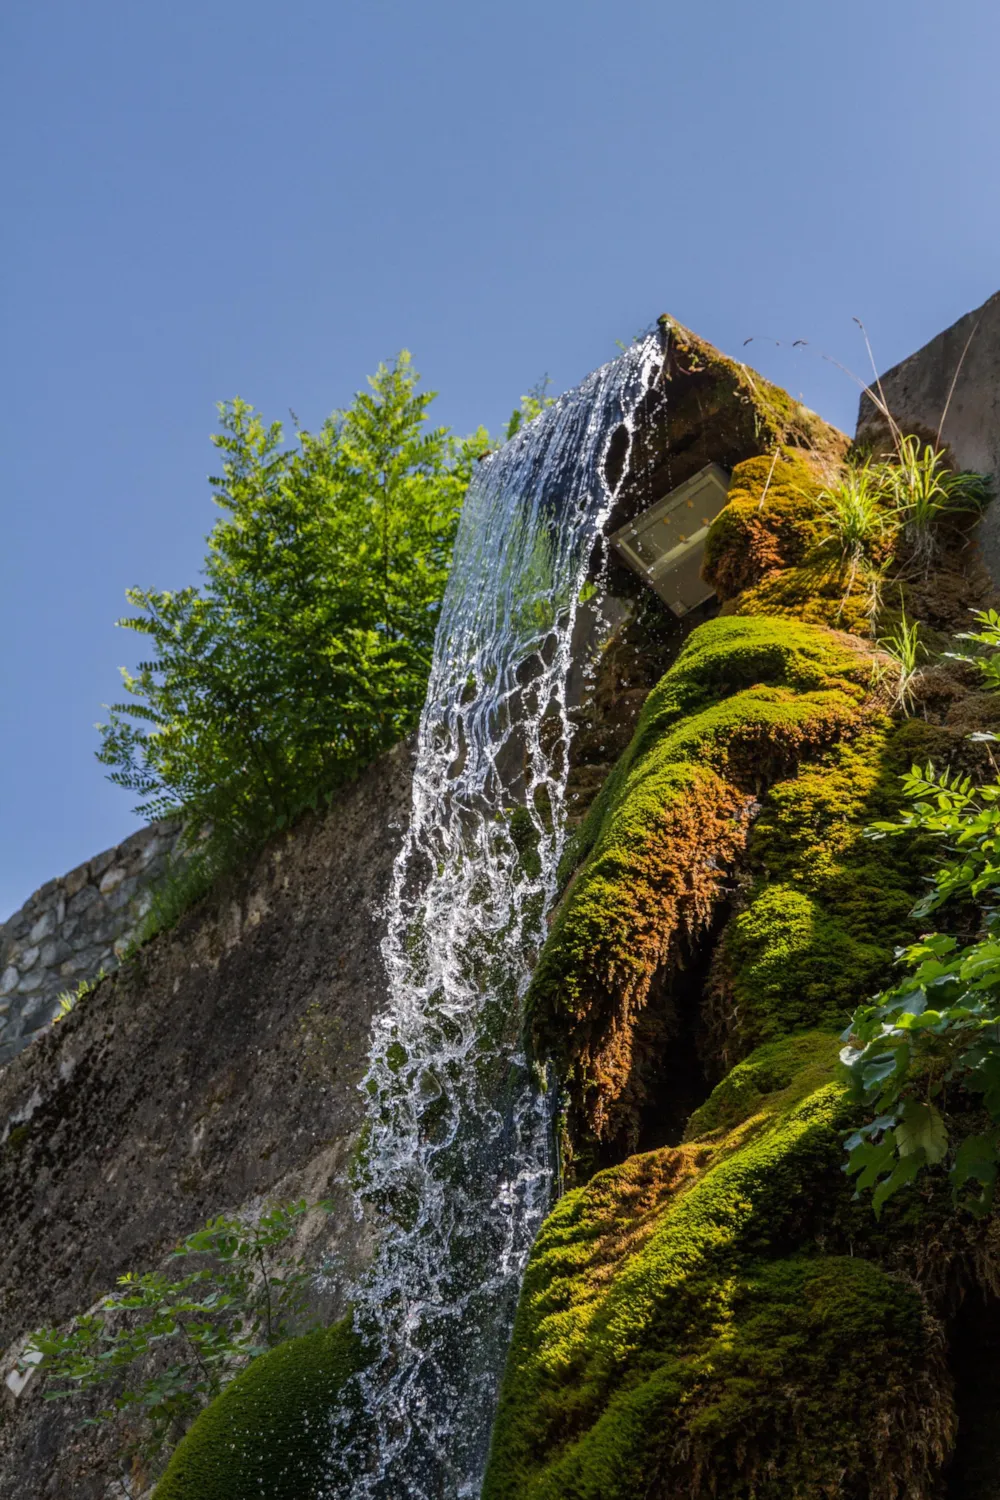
(664, 544)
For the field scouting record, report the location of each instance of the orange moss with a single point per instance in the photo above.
(770, 522)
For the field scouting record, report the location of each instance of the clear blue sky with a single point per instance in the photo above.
(209, 199)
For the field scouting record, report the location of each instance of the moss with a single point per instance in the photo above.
(744, 702)
(682, 1332)
(18, 1138)
(525, 838)
(818, 591)
(799, 1063)
(268, 1432)
(769, 522)
(827, 906)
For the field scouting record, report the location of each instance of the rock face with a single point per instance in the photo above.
(74, 927)
(709, 1310)
(956, 376)
(218, 1066)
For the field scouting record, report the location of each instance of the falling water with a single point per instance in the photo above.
(457, 1167)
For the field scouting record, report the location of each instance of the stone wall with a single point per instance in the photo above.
(217, 1069)
(74, 927)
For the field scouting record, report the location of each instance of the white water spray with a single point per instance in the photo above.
(457, 1171)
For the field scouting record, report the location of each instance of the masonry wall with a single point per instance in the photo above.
(217, 1068)
(72, 928)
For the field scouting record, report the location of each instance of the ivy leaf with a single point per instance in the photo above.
(921, 1128)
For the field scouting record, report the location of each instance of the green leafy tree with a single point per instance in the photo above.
(241, 1293)
(305, 652)
(924, 1056)
(532, 405)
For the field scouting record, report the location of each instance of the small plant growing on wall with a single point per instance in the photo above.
(162, 1345)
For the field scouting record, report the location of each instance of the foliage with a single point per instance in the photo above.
(925, 490)
(69, 999)
(940, 1026)
(268, 1433)
(532, 406)
(925, 1054)
(305, 652)
(859, 523)
(240, 1293)
(190, 875)
(903, 648)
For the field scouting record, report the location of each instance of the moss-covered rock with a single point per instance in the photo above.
(744, 703)
(827, 905)
(706, 408)
(684, 1329)
(268, 1433)
(770, 522)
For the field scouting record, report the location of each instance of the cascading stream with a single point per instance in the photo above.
(457, 1167)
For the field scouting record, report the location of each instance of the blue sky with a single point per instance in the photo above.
(209, 199)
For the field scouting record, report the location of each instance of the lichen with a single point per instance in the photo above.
(744, 703)
(686, 1328)
(268, 1433)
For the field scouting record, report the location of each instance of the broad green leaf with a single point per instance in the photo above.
(921, 1128)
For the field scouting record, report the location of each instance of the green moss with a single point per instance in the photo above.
(775, 1076)
(769, 522)
(745, 701)
(268, 1433)
(827, 907)
(525, 838)
(18, 1138)
(681, 1331)
(819, 591)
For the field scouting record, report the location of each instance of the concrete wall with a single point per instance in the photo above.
(917, 390)
(74, 927)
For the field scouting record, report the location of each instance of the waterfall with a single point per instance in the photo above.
(456, 1164)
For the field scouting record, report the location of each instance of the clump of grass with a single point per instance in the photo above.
(878, 502)
(859, 522)
(861, 528)
(925, 491)
(899, 666)
(69, 999)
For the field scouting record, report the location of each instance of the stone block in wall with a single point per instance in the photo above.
(44, 927)
(73, 927)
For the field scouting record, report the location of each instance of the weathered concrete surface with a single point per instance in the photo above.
(917, 394)
(219, 1066)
